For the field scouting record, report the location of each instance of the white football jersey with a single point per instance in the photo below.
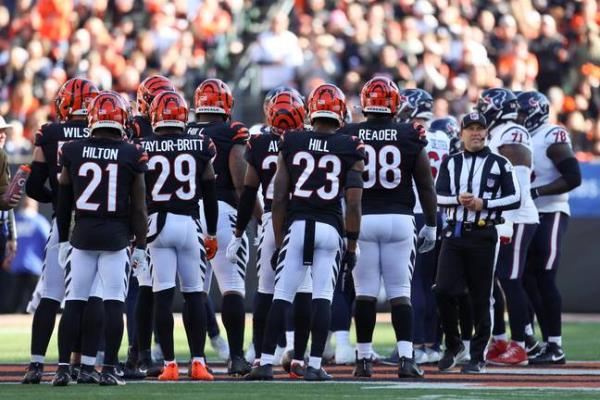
(545, 171)
(438, 147)
(510, 133)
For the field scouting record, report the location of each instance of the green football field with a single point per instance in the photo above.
(580, 342)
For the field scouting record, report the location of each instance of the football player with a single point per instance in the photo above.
(214, 103)
(315, 169)
(179, 174)
(396, 155)
(286, 111)
(416, 105)
(71, 106)
(150, 87)
(555, 173)
(102, 180)
(499, 106)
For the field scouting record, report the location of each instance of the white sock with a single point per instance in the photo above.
(289, 339)
(503, 337)
(37, 359)
(364, 350)
(87, 360)
(521, 344)
(528, 330)
(314, 362)
(555, 339)
(167, 363)
(405, 349)
(200, 360)
(266, 359)
(342, 338)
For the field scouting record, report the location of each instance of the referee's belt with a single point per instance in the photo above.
(470, 226)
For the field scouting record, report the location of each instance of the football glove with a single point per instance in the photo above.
(348, 264)
(64, 248)
(139, 262)
(427, 237)
(505, 232)
(211, 246)
(232, 248)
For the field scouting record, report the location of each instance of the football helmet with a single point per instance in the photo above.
(380, 95)
(108, 110)
(279, 89)
(168, 109)
(327, 101)
(534, 109)
(448, 125)
(285, 112)
(149, 89)
(213, 96)
(415, 103)
(497, 104)
(74, 96)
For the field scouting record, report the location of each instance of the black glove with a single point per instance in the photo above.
(348, 264)
(274, 258)
(349, 260)
(534, 193)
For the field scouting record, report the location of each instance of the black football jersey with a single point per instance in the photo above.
(261, 153)
(318, 164)
(51, 137)
(176, 163)
(141, 127)
(224, 135)
(391, 149)
(102, 173)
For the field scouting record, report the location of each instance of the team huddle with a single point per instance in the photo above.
(339, 206)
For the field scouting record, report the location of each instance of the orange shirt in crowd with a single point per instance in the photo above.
(54, 19)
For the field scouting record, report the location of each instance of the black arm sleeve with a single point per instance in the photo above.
(63, 211)
(569, 169)
(35, 186)
(245, 208)
(211, 206)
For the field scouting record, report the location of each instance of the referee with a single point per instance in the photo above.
(474, 187)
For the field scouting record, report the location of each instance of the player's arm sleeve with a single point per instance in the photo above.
(138, 210)
(247, 200)
(281, 195)
(510, 198)
(64, 205)
(445, 197)
(353, 214)
(567, 165)
(209, 199)
(425, 187)
(36, 184)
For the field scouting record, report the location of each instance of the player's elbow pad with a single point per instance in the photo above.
(569, 170)
(211, 207)
(35, 186)
(354, 179)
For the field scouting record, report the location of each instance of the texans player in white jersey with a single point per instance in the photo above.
(556, 172)
(396, 156)
(314, 170)
(507, 138)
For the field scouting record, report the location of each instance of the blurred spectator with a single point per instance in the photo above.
(26, 266)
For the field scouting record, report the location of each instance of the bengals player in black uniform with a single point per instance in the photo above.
(71, 107)
(102, 180)
(315, 169)
(214, 103)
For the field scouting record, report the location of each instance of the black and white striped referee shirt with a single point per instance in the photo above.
(485, 175)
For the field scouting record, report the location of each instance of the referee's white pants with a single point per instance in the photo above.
(387, 250)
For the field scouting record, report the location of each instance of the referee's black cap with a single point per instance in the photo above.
(473, 118)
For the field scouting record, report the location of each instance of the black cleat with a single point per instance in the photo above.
(448, 360)
(408, 368)
(238, 366)
(62, 377)
(473, 367)
(260, 373)
(296, 370)
(34, 373)
(552, 354)
(132, 372)
(88, 375)
(75, 368)
(533, 347)
(315, 375)
(363, 368)
(111, 377)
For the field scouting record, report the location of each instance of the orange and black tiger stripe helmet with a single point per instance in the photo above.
(327, 101)
(108, 110)
(213, 96)
(149, 89)
(168, 109)
(380, 95)
(285, 111)
(74, 96)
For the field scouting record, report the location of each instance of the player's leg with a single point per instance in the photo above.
(144, 313)
(367, 280)
(52, 290)
(431, 323)
(499, 337)
(113, 267)
(341, 319)
(419, 299)
(80, 273)
(465, 315)
(91, 331)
